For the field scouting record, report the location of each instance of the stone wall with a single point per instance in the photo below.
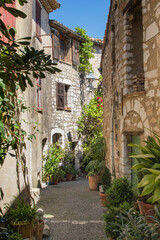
(33, 153)
(131, 48)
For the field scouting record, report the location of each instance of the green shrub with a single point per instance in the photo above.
(106, 178)
(21, 212)
(119, 192)
(52, 159)
(133, 226)
(112, 220)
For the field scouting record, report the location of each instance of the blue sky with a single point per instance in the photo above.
(90, 15)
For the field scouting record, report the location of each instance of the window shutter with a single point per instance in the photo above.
(68, 51)
(56, 45)
(38, 18)
(60, 95)
(75, 53)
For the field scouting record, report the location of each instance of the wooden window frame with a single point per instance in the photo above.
(62, 95)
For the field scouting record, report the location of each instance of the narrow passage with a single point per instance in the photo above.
(73, 211)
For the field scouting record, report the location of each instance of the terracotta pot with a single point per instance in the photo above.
(38, 230)
(55, 181)
(92, 182)
(24, 228)
(69, 176)
(73, 178)
(140, 206)
(103, 197)
(149, 212)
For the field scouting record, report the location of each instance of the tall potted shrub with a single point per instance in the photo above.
(94, 161)
(52, 162)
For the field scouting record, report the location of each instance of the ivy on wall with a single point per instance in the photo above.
(85, 51)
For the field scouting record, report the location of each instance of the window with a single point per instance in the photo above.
(65, 49)
(57, 138)
(62, 96)
(39, 95)
(38, 18)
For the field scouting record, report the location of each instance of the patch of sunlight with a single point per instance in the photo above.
(77, 222)
(48, 216)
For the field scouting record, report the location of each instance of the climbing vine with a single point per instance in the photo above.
(86, 52)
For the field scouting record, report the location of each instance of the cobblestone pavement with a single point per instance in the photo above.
(73, 211)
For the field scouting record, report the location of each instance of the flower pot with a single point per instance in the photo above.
(49, 181)
(149, 212)
(38, 230)
(69, 176)
(103, 197)
(92, 182)
(73, 178)
(55, 181)
(24, 228)
(140, 206)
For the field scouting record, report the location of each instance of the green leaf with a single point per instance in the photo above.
(138, 166)
(149, 178)
(157, 178)
(148, 189)
(15, 12)
(12, 32)
(156, 165)
(14, 144)
(25, 43)
(42, 75)
(143, 156)
(156, 195)
(157, 172)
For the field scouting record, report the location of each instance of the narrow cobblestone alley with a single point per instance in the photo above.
(77, 212)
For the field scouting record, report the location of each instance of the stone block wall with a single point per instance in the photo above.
(128, 111)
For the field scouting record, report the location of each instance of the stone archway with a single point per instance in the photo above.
(60, 132)
(133, 124)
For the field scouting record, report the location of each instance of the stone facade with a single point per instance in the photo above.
(33, 154)
(79, 90)
(131, 73)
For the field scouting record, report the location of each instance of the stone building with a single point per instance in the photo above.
(69, 91)
(131, 73)
(34, 25)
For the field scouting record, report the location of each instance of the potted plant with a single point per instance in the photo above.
(75, 173)
(68, 162)
(69, 172)
(93, 169)
(22, 217)
(149, 165)
(52, 162)
(106, 183)
(94, 161)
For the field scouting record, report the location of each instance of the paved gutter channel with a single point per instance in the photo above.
(73, 211)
